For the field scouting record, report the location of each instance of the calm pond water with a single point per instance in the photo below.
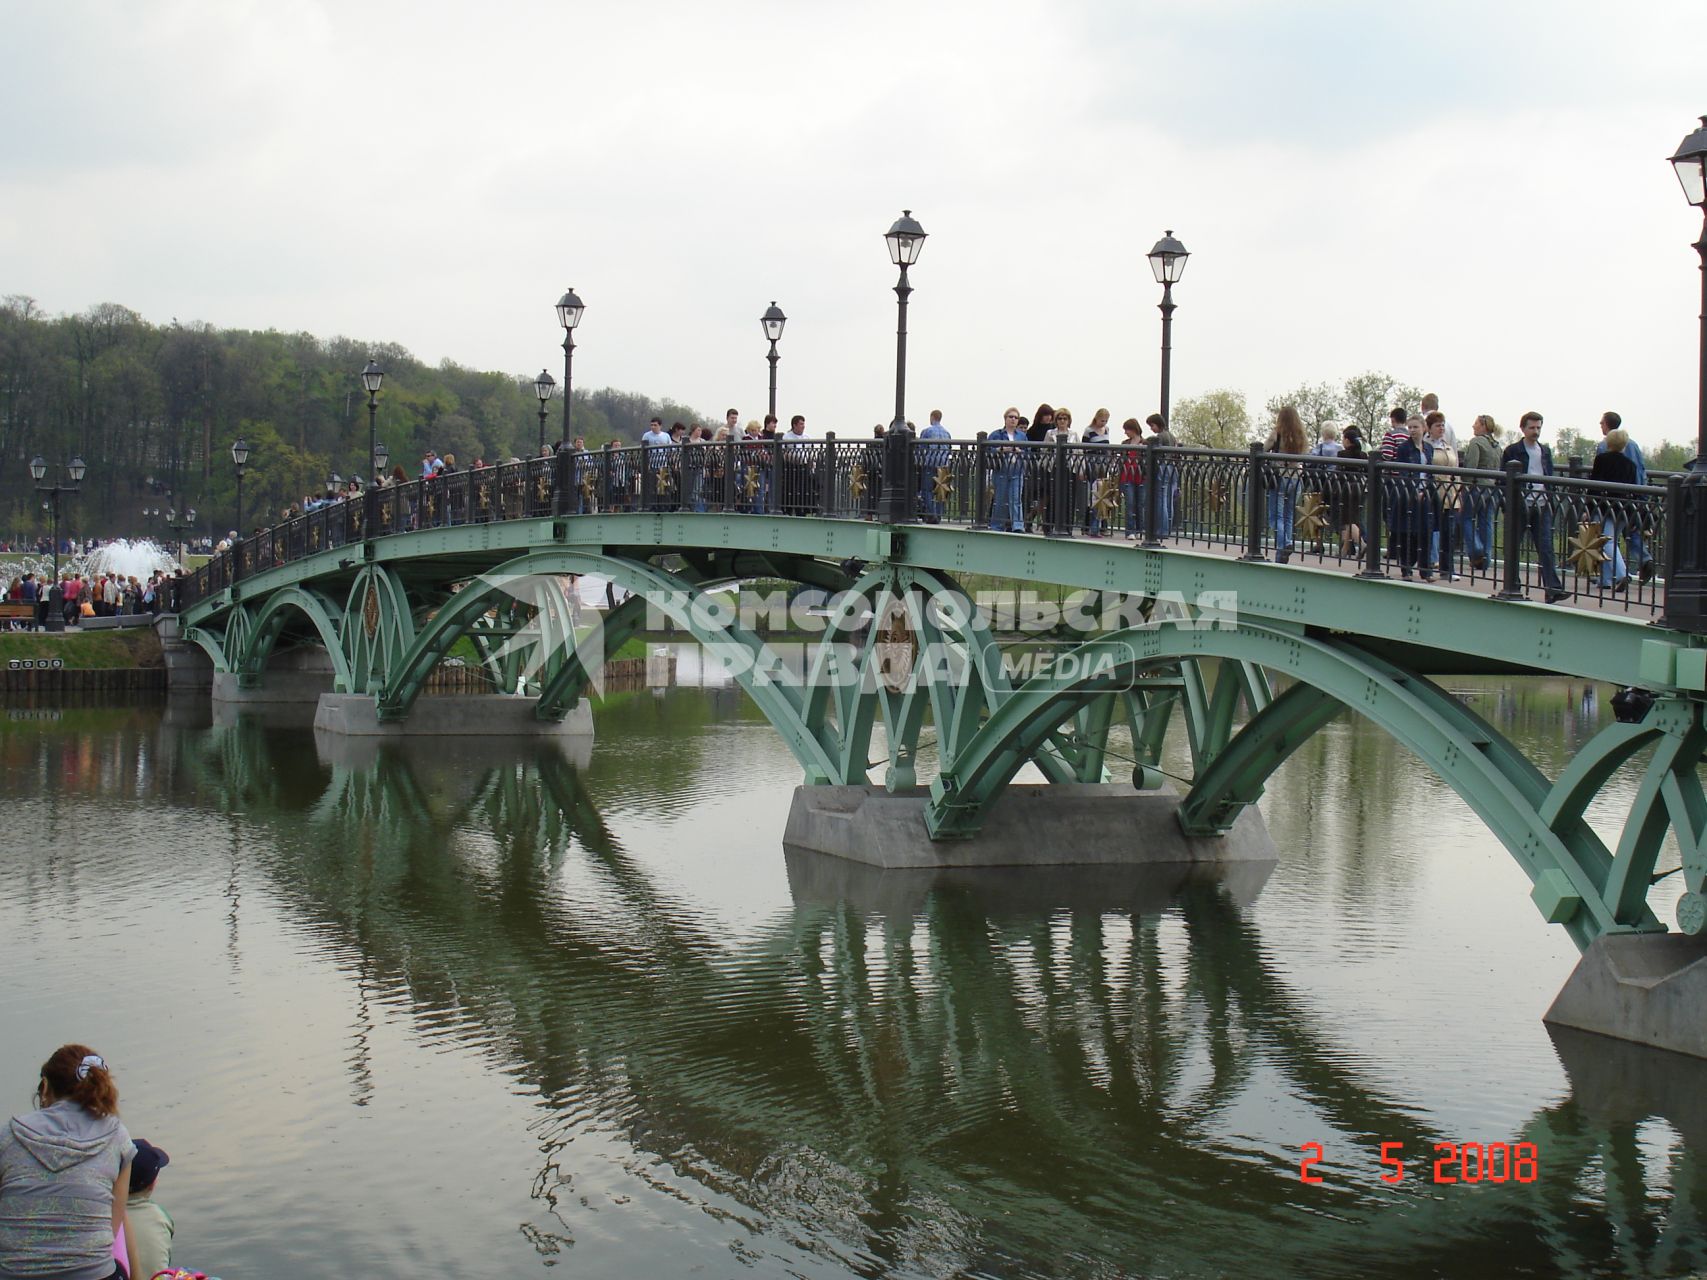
(479, 1009)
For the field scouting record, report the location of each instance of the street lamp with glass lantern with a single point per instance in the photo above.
(544, 386)
(372, 376)
(773, 321)
(74, 471)
(1167, 262)
(240, 459)
(906, 240)
(1686, 577)
(179, 526)
(569, 309)
(381, 456)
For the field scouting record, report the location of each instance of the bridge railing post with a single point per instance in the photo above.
(561, 481)
(1058, 518)
(651, 460)
(981, 482)
(1512, 587)
(1686, 616)
(896, 505)
(607, 464)
(1256, 504)
(1374, 511)
(1153, 480)
(731, 468)
(779, 477)
(827, 476)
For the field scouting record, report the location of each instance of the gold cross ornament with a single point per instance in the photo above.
(856, 484)
(944, 484)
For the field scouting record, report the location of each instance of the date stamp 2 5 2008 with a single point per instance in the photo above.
(1454, 1162)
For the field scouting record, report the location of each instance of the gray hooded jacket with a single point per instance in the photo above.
(57, 1168)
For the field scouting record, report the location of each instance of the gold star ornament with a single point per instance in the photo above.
(1312, 516)
(1588, 548)
(1107, 497)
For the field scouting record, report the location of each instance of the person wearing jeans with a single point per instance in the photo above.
(1007, 475)
(1614, 465)
(1479, 497)
(1167, 477)
(1283, 479)
(1632, 518)
(932, 459)
(1535, 459)
(1132, 476)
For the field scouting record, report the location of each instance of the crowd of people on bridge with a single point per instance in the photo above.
(1316, 495)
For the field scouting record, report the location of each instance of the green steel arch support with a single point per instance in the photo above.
(223, 638)
(956, 671)
(1570, 867)
(377, 627)
(755, 666)
(1235, 776)
(563, 688)
(269, 622)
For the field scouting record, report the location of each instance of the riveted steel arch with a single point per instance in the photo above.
(269, 623)
(755, 666)
(1569, 865)
(377, 627)
(954, 667)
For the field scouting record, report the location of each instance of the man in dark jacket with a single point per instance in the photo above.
(1536, 459)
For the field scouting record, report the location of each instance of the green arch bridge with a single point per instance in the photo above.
(1257, 597)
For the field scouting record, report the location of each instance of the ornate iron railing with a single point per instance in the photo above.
(1560, 535)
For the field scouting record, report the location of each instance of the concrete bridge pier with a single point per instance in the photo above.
(1029, 825)
(1648, 988)
(298, 675)
(472, 715)
(188, 668)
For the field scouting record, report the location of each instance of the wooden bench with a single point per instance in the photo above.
(17, 615)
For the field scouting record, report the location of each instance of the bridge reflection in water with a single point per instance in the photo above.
(1065, 1073)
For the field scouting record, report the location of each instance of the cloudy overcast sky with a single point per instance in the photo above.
(1472, 196)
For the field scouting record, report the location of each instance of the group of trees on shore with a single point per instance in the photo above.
(1221, 419)
(153, 411)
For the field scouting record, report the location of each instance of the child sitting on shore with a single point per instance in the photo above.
(148, 1226)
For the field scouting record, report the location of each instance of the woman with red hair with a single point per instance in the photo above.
(65, 1174)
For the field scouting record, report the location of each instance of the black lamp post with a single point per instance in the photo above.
(1167, 261)
(38, 472)
(906, 239)
(240, 458)
(773, 320)
(544, 386)
(1686, 527)
(372, 376)
(569, 309)
(178, 525)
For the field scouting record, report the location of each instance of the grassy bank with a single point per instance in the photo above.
(88, 651)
